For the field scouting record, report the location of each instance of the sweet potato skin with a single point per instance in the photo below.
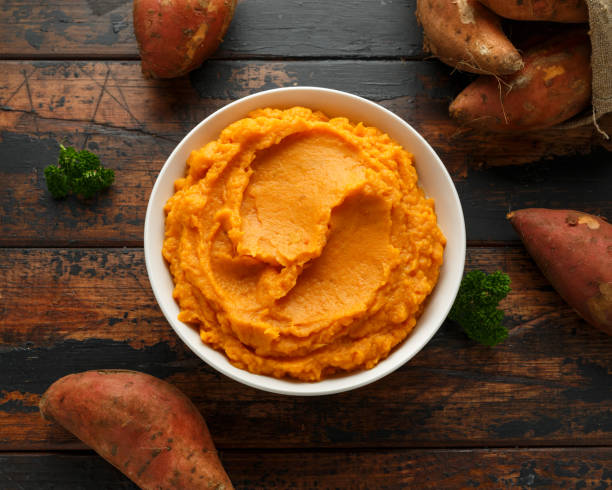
(574, 252)
(554, 85)
(466, 35)
(546, 10)
(142, 425)
(176, 36)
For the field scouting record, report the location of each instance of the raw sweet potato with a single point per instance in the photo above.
(554, 85)
(142, 425)
(549, 10)
(574, 252)
(468, 36)
(176, 36)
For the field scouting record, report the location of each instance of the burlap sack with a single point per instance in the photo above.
(600, 30)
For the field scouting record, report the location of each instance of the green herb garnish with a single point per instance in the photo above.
(79, 173)
(475, 307)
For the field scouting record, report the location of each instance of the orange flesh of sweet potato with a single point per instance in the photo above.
(142, 425)
(554, 85)
(574, 252)
(466, 35)
(548, 10)
(176, 36)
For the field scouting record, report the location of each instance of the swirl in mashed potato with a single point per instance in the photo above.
(300, 245)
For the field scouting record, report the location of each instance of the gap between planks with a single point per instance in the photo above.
(271, 58)
(326, 449)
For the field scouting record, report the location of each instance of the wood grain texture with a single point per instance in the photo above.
(134, 124)
(260, 28)
(427, 469)
(66, 29)
(69, 310)
(72, 305)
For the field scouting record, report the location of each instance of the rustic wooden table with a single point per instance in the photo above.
(74, 294)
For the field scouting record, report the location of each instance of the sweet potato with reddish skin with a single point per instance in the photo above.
(554, 85)
(574, 252)
(548, 10)
(142, 425)
(466, 35)
(176, 36)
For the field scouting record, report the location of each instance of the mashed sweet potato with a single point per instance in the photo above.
(301, 245)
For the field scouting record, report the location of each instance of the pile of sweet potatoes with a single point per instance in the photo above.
(533, 86)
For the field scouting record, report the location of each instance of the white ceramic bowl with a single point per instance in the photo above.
(433, 178)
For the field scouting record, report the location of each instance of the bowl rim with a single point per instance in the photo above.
(285, 386)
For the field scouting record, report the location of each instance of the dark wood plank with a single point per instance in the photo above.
(134, 124)
(59, 471)
(64, 29)
(433, 469)
(483, 468)
(69, 310)
(70, 29)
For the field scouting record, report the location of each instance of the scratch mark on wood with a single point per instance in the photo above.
(95, 112)
(7, 102)
(27, 85)
(93, 118)
(125, 104)
(93, 124)
(104, 89)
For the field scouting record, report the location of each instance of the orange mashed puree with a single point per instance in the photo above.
(300, 245)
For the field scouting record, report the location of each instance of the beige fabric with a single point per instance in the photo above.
(601, 63)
